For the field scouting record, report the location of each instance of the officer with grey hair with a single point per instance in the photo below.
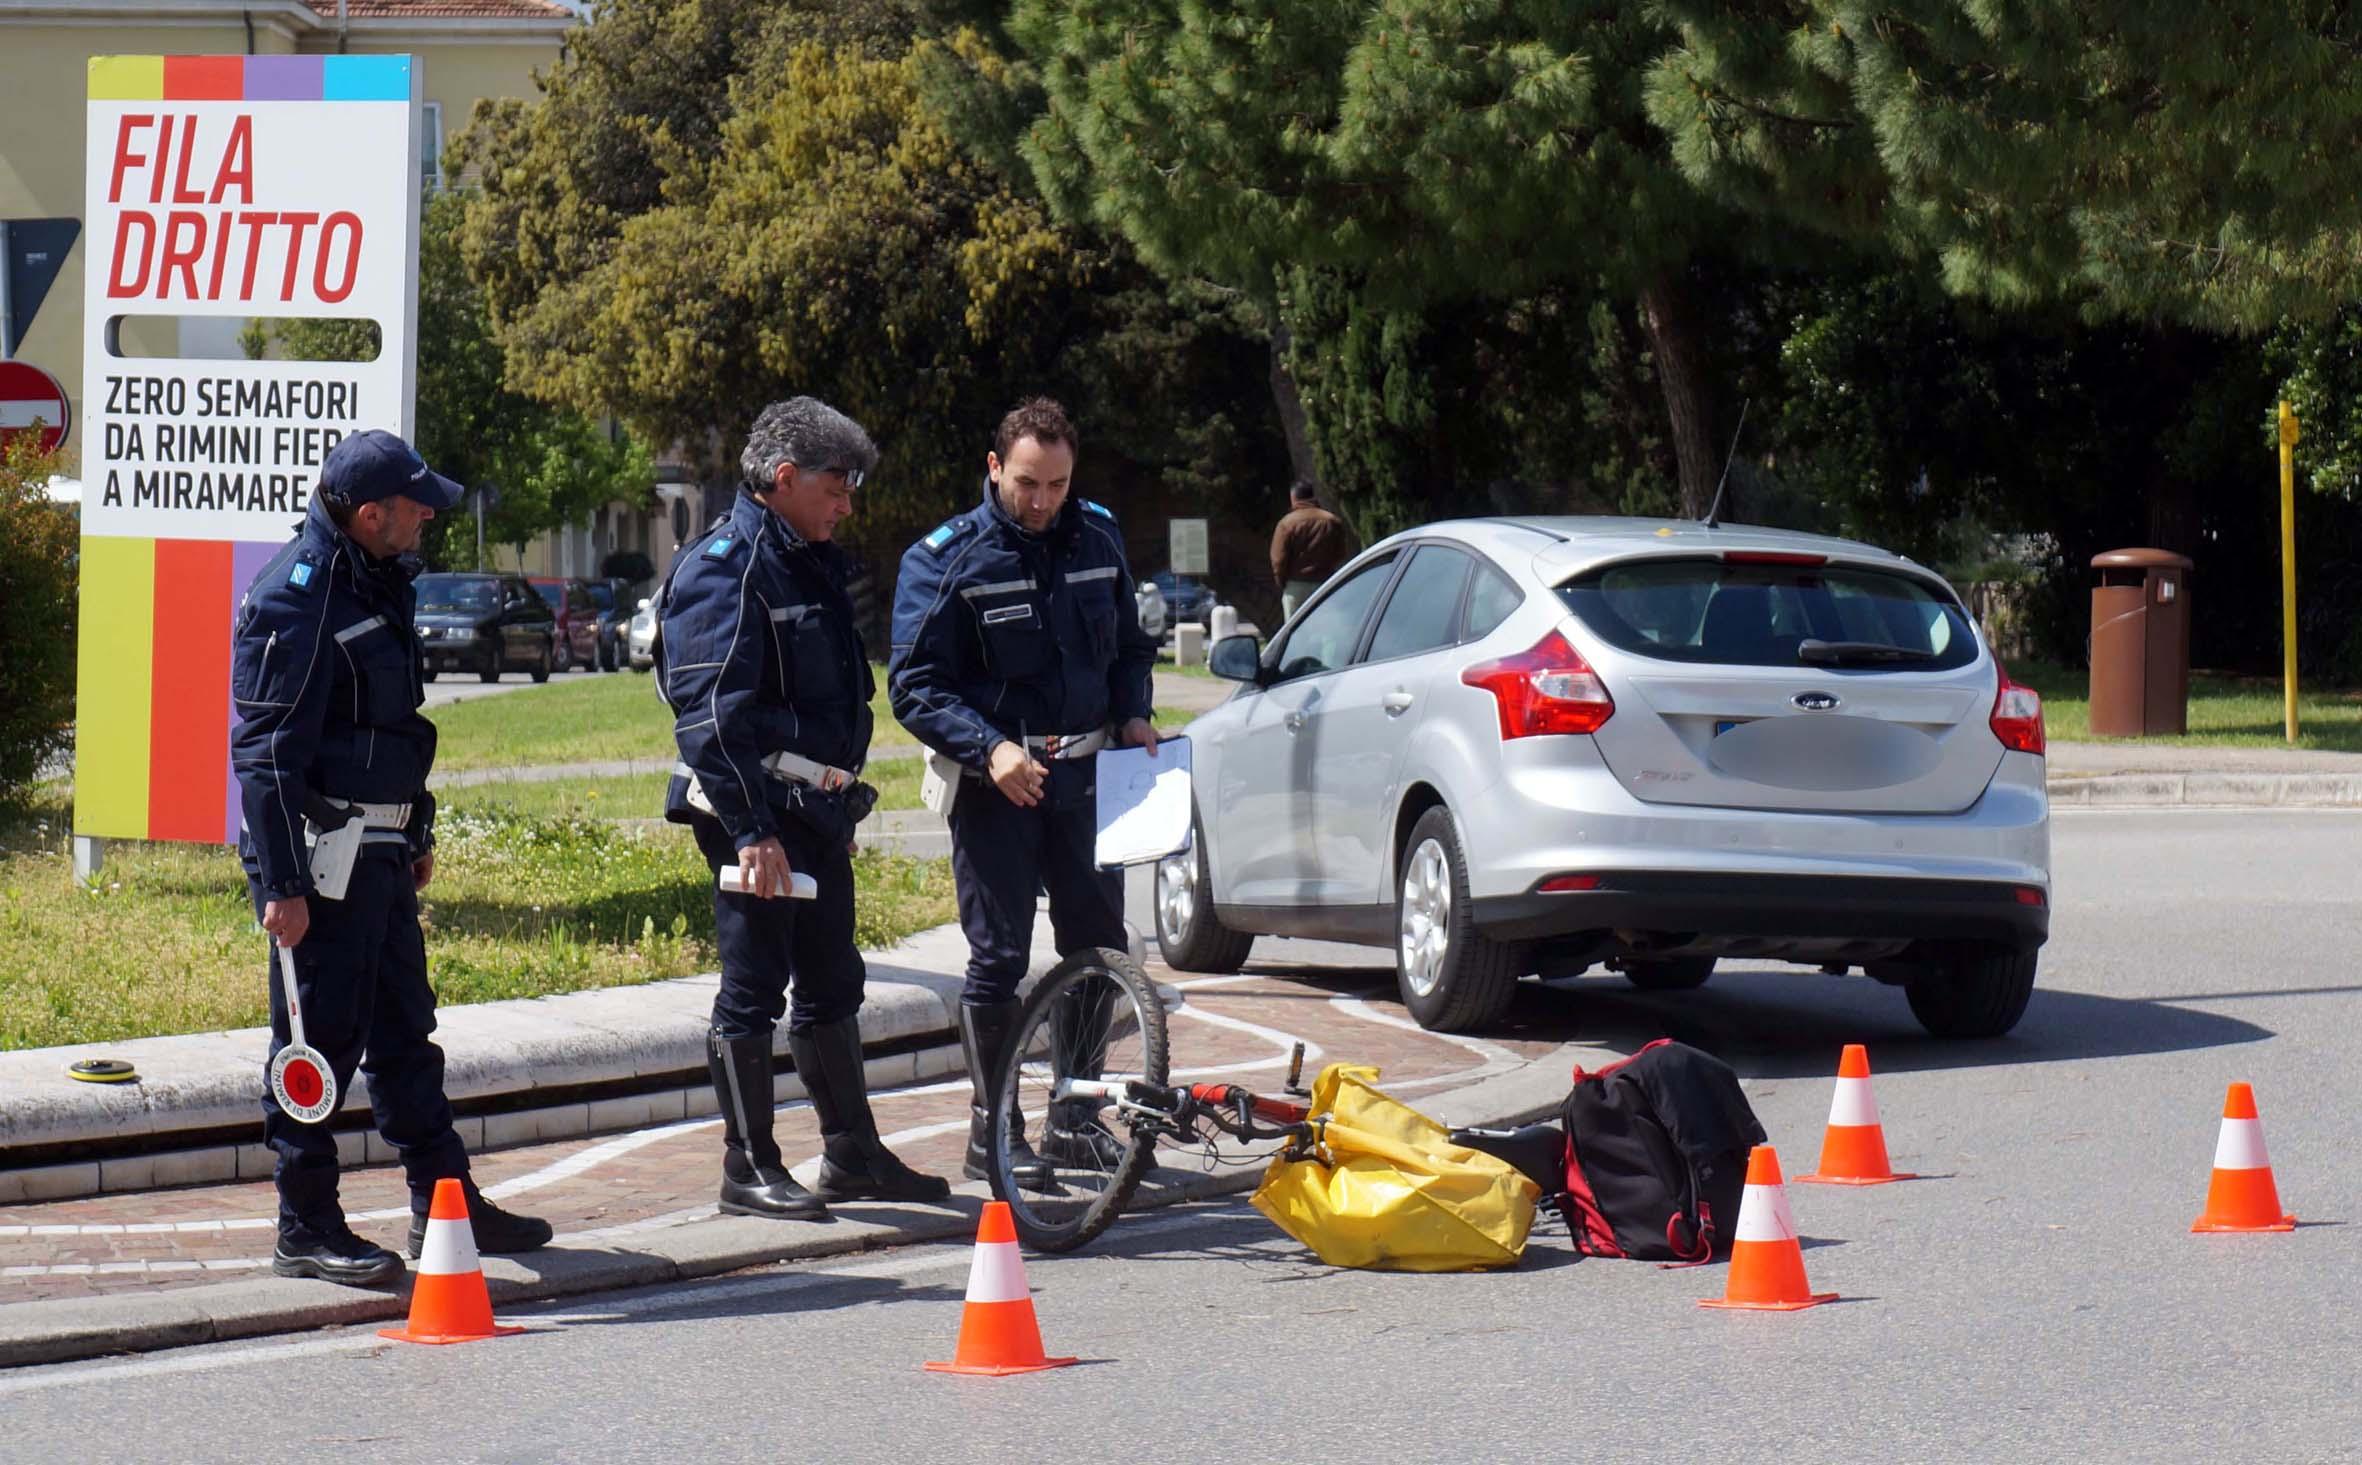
(758, 657)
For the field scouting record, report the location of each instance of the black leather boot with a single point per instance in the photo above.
(854, 1163)
(754, 1181)
(985, 1030)
(1077, 1138)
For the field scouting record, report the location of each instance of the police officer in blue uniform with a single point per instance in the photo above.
(759, 658)
(329, 742)
(1018, 655)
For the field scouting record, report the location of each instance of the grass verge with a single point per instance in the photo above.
(2224, 711)
(522, 905)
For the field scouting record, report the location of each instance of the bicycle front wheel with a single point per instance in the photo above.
(1068, 1166)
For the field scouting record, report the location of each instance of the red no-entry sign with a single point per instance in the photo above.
(28, 395)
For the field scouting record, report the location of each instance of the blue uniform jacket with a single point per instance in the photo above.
(757, 654)
(324, 676)
(1003, 634)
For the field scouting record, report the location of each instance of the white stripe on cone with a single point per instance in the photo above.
(997, 1273)
(450, 1249)
(2240, 1146)
(1854, 1106)
(1763, 1215)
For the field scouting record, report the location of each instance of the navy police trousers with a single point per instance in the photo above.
(1003, 856)
(360, 973)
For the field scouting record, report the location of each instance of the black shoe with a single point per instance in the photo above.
(776, 1196)
(341, 1257)
(497, 1232)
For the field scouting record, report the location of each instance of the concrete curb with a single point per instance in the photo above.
(2209, 789)
(498, 1056)
(61, 1331)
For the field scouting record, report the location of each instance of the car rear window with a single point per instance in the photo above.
(444, 593)
(1752, 614)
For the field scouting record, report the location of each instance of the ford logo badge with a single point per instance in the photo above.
(1816, 701)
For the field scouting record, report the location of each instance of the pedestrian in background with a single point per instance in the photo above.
(325, 677)
(758, 656)
(1018, 655)
(1307, 547)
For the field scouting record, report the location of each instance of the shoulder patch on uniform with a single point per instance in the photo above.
(720, 548)
(1101, 510)
(301, 575)
(945, 533)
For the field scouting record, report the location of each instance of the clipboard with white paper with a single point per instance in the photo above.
(1144, 803)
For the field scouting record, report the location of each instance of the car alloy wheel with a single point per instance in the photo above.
(1426, 932)
(1176, 896)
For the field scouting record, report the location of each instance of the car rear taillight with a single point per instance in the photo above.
(1549, 689)
(2017, 715)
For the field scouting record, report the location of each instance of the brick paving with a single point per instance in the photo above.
(143, 1241)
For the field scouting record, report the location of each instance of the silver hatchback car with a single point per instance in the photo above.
(1516, 746)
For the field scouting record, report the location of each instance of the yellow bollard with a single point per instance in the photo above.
(2288, 431)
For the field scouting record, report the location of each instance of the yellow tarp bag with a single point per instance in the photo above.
(1387, 1188)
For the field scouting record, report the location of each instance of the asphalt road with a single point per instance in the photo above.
(2038, 1297)
(454, 686)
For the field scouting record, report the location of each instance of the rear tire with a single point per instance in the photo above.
(1188, 933)
(542, 668)
(1088, 1194)
(490, 670)
(561, 653)
(1453, 977)
(1668, 974)
(428, 675)
(1981, 995)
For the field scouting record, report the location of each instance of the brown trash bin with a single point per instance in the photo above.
(2140, 644)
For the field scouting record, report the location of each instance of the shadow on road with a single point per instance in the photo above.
(1790, 1023)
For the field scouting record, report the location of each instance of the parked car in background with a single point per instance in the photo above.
(614, 598)
(578, 621)
(1151, 602)
(484, 623)
(640, 642)
(1516, 746)
(1185, 599)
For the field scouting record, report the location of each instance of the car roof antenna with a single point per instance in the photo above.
(1714, 513)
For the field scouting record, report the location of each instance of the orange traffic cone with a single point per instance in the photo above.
(998, 1333)
(1853, 1149)
(1766, 1264)
(448, 1300)
(2242, 1197)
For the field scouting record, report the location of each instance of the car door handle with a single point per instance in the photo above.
(1396, 703)
(1293, 722)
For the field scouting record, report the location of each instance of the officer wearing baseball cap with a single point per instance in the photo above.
(331, 757)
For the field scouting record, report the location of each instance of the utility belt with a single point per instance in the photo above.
(335, 829)
(939, 787)
(1069, 745)
(797, 769)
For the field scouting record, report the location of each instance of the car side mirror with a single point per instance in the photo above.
(1237, 659)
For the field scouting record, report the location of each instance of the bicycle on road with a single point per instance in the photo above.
(1082, 1100)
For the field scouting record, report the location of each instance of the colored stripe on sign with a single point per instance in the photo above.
(127, 78)
(204, 78)
(283, 78)
(366, 79)
(190, 744)
(113, 691)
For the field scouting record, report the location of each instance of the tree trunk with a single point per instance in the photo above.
(1290, 402)
(1669, 317)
